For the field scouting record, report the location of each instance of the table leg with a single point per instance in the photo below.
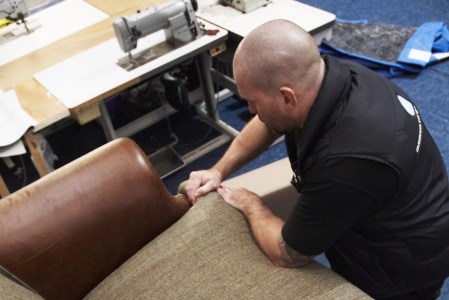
(211, 101)
(3, 188)
(208, 86)
(36, 153)
(106, 123)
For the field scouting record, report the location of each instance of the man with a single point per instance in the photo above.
(374, 192)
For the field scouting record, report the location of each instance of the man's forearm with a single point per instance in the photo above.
(252, 141)
(265, 228)
(267, 232)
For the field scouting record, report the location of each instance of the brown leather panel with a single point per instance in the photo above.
(66, 232)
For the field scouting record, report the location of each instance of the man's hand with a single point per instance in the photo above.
(265, 227)
(240, 198)
(202, 182)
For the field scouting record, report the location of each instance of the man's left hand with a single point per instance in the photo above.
(240, 198)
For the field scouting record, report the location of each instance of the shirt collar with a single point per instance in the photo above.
(334, 89)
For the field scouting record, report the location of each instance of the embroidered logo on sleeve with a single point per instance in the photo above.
(412, 110)
(418, 146)
(407, 105)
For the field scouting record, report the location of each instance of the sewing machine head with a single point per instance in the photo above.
(13, 10)
(176, 17)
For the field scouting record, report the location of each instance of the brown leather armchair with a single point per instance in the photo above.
(105, 227)
(66, 232)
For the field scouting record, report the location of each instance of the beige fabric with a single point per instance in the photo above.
(266, 179)
(209, 254)
(10, 290)
(272, 183)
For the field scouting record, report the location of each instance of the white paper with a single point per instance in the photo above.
(18, 148)
(56, 22)
(90, 73)
(14, 121)
(95, 72)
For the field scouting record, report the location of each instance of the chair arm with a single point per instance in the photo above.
(66, 232)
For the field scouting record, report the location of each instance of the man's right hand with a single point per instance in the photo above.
(202, 182)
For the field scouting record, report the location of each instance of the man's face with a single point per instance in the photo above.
(269, 108)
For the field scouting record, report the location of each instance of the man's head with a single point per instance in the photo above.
(278, 71)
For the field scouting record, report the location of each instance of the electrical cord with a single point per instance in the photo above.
(209, 131)
(24, 171)
(170, 130)
(219, 67)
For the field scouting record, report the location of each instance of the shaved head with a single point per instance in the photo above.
(278, 53)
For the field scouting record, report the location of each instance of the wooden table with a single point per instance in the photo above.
(313, 20)
(35, 99)
(18, 74)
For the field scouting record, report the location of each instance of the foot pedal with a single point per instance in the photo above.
(166, 161)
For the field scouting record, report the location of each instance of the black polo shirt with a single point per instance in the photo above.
(339, 194)
(374, 191)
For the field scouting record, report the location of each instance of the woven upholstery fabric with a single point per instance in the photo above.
(12, 290)
(210, 254)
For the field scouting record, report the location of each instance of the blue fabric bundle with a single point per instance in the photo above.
(429, 44)
(389, 49)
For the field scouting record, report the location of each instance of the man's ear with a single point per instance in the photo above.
(290, 99)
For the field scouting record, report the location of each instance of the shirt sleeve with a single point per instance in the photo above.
(336, 196)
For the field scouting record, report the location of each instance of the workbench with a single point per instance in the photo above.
(47, 102)
(238, 24)
(43, 79)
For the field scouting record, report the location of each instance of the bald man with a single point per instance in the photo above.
(373, 188)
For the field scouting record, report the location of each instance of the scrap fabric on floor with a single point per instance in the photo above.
(389, 49)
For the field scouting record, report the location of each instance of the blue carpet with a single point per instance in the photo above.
(429, 89)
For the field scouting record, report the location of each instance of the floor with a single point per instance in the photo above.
(429, 89)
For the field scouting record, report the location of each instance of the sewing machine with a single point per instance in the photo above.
(176, 17)
(13, 10)
(246, 6)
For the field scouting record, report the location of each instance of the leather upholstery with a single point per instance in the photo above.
(66, 232)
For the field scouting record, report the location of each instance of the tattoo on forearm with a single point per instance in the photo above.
(291, 257)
